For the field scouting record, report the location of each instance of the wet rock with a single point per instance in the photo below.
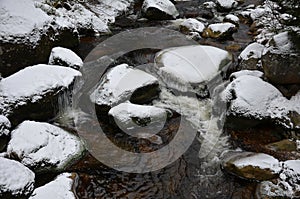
(33, 92)
(220, 30)
(65, 57)
(283, 145)
(61, 188)
(123, 83)
(192, 25)
(16, 180)
(44, 147)
(159, 9)
(250, 57)
(252, 166)
(232, 19)
(281, 61)
(4, 132)
(226, 5)
(193, 69)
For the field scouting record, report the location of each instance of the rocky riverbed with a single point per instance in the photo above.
(149, 99)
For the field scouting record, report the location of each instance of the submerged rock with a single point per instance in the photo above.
(123, 83)
(44, 147)
(60, 188)
(190, 68)
(4, 132)
(252, 166)
(250, 57)
(220, 30)
(65, 57)
(16, 180)
(33, 92)
(159, 9)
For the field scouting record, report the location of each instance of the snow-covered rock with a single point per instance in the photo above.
(220, 30)
(240, 73)
(122, 83)
(65, 57)
(32, 92)
(16, 180)
(139, 120)
(60, 188)
(250, 56)
(5, 126)
(225, 5)
(232, 19)
(185, 68)
(254, 166)
(42, 146)
(159, 9)
(192, 25)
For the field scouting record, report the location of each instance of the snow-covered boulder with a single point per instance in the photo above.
(240, 73)
(250, 56)
(32, 93)
(139, 120)
(226, 5)
(253, 166)
(192, 25)
(123, 83)
(60, 188)
(232, 19)
(220, 30)
(16, 180)
(65, 57)
(43, 147)
(159, 9)
(281, 60)
(189, 68)
(4, 131)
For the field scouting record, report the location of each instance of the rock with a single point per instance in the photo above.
(192, 25)
(283, 145)
(44, 147)
(220, 30)
(254, 73)
(250, 57)
(122, 83)
(139, 120)
(4, 132)
(65, 57)
(281, 61)
(24, 94)
(232, 19)
(226, 5)
(193, 69)
(16, 180)
(159, 9)
(287, 186)
(61, 188)
(252, 166)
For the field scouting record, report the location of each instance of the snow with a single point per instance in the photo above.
(232, 18)
(4, 126)
(165, 6)
(253, 50)
(221, 27)
(254, 73)
(119, 83)
(60, 188)
(65, 56)
(193, 25)
(259, 160)
(33, 82)
(190, 64)
(19, 18)
(40, 145)
(227, 4)
(15, 178)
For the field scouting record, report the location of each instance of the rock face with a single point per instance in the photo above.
(123, 83)
(250, 56)
(253, 166)
(4, 131)
(16, 180)
(32, 93)
(281, 61)
(61, 188)
(192, 25)
(65, 57)
(42, 146)
(159, 9)
(189, 68)
(220, 30)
